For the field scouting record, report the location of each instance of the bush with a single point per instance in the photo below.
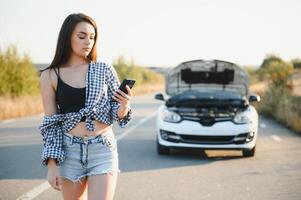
(275, 69)
(278, 101)
(296, 63)
(269, 59)
(18, 76)
(279, 72)
(131, 70)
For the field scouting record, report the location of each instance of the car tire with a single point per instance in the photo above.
(249, 152)
(162, 150)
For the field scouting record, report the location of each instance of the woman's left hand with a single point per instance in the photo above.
(123, 98)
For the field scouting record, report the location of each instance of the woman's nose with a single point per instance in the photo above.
(88, 41)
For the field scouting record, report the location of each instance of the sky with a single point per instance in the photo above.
(161, 32)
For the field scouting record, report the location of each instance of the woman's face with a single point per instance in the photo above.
(82, 39)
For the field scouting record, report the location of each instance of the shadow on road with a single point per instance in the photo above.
(141, 154)
(21, 162)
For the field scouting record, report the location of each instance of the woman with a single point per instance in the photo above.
(77, 92)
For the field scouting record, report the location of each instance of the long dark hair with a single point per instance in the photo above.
(63, 47)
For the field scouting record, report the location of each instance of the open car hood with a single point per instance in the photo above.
(202, 75)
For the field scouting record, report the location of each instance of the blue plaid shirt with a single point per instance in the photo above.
(101, 83)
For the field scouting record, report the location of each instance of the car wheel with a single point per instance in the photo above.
(248, 152)
(162, 150)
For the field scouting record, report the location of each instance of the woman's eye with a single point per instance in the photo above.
(81, 38)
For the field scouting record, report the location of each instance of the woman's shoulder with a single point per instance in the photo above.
(103, 64)
(47, 74)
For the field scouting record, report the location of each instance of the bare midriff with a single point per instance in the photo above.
(81, 130)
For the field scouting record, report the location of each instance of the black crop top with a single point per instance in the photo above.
(68, 98)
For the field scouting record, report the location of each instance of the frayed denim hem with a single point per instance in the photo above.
(104, 172)
(74, 180)
(91, 174)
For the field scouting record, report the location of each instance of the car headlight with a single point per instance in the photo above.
(242, 118)
(169, 116)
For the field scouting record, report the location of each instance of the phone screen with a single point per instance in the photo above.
(129, 82)
(125, 82)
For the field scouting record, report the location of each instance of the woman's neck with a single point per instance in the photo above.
(75, 60)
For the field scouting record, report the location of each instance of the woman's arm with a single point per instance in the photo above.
(121, 110)
(52, 152)
(48, 92)
(47, 87)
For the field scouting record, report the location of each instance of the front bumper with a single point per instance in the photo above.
(221, 135)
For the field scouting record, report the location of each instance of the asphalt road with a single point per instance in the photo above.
(274, 172)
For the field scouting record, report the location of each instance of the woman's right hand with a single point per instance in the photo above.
(53, 175)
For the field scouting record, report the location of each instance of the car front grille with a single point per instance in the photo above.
(206, 121)
(206, 117)
(207, 139)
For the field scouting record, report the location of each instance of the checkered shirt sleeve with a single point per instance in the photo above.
(52, 140)
(113, 84)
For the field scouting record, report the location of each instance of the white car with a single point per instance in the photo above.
(208, 107)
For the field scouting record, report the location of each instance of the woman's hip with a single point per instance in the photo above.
(91, 150)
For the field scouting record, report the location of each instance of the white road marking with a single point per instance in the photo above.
(262, 125)
(276, 138)
(7, 121)
(35, 191)
(135, 126)
(45, 185)
(14, 119)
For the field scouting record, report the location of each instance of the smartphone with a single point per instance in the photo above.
(128, 82)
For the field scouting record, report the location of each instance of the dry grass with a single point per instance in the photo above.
(148, 88)
(289, 113)
(259, 88)
(281, 105)
(20, 106)
(30, 105)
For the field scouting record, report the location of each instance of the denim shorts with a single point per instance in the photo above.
(86, 156)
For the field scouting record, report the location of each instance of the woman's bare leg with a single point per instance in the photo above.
(74, 191)
(102, 186)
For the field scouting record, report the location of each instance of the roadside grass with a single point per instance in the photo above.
(15, 107)
(280, 104)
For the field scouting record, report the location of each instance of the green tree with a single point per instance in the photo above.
(18, 76)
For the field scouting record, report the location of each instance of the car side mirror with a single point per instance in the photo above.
(254, 98)
(159, 97)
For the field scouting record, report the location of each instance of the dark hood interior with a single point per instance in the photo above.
(207, 107)
(224, 77)
(197, 98)
(207, 74)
